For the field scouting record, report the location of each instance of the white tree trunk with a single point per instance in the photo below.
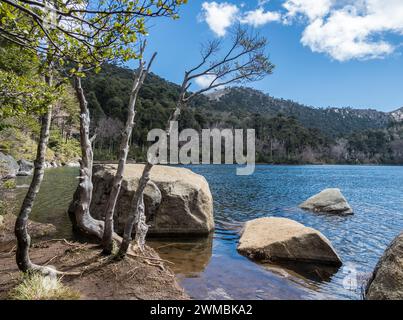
(107, 241)
(137, 211)
(21, 225)
(23, 239)
(82, 217)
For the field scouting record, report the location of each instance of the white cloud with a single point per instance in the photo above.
(348, 30)
(262, 2)
(343, 29)
(311, 8)
(219, 16)
(204, 81)
(259, 17)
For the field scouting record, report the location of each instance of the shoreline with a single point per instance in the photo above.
(146, 276)
(104, 162)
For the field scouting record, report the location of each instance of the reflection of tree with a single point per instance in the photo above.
(189, 257)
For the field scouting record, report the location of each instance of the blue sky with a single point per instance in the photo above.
(335, 53)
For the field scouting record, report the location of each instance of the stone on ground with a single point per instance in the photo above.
(8, 166)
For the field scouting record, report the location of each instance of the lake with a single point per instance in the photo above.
(212, 269)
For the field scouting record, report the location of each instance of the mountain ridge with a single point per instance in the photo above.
(217, 94)
(328, 120)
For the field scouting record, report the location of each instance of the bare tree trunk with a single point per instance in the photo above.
(21, 232)
(21, 225)
(83, 219)
(140, 76)
(137, 210)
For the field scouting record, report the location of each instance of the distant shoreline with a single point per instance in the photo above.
(99, 162)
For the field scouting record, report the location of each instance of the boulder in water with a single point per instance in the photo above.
(284, 240)
(329, 201)
(387, 280)
(177, 200)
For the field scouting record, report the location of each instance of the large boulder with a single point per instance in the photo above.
(328, 200)
(26, 168)
(387, 279)
(177, 201)
(284, 240)
(8, 166)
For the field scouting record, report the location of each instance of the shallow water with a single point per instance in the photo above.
(212, 269)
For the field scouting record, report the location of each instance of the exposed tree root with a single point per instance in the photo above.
(148, 258)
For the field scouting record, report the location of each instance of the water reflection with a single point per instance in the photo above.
(190, 257)
(304, 271)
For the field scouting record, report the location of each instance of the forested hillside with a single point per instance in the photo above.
(22, 100)
(286, 131)
(331, 121)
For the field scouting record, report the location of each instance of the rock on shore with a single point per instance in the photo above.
(177, 201)
(8, 166)
(387, 279)
(284, 240)
(328, 200)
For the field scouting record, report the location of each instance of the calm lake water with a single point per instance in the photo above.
(212, 269)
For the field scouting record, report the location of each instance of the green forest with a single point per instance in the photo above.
(286, 132)
(24, 99)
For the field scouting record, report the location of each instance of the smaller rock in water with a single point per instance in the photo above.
(328, 200)
(26, 167)
(24, 173)
(387, 279)
(73, 164)
(284, 240)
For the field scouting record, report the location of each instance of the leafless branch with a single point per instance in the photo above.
(245, 61)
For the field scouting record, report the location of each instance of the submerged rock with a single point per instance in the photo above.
(284, 240)
(328, 200)
(177, 201)
(387, 279)
(8, 166)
